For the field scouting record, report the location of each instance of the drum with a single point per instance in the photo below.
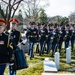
(20, 61)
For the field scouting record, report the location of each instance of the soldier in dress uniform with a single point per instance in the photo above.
(45, 43)
(4, 44)
(54, 39)
(43, 37)
(72, 37)
(60, 35)
(67, 36)
(32, 35)
(49, 38)
(15, 39)
(38, 39)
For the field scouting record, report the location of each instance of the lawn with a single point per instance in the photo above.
(36, 64)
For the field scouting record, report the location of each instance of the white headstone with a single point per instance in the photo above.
(68, 55)
(57, 59)
(49, 66)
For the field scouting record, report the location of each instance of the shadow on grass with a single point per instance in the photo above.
(67, 67)
(39, 58)
(67, 71)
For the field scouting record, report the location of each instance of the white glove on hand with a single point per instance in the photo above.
(19, 45)
(24, 41)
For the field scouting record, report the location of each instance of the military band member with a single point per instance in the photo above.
(4, 44)
(15, 38)
(32, 34)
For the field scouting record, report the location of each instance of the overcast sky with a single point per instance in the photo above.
(60, 7)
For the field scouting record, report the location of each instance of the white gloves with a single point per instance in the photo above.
(24, 41)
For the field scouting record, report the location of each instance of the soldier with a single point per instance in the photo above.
(49, 38)
(43, 37)
(45, 47)
(60, 35)
(38, 39)
(32, 34)
(72, 37)
(15, 38)
(67, 36)
(54, 39)
(4, 44)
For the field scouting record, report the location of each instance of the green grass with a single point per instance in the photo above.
(36, 64)
(34, 70)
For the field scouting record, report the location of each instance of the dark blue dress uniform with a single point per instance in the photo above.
(54, 39)
(49, 40)
(4, 52)
(72, 38)
(43, 38)
(60, 39)
(32, 34)
(67, 38)
(38, 39)
(3, 47)
(15, 38)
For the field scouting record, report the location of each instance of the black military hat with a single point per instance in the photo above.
(72, 25)
(43, 23)
(67, 25)
(55, 27)
(32, 23)
(50, 24)
(39, 24)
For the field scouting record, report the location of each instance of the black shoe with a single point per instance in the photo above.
(30, 58)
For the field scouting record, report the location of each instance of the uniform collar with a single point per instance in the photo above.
(32, 28)
(13, 30)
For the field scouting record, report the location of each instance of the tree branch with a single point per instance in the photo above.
(6, 11)
(17, 2)
(2, 13)
(16, 9)
(4, 1)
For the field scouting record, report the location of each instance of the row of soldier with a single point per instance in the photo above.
(50, 37)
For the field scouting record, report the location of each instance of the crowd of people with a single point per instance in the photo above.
(50, 37)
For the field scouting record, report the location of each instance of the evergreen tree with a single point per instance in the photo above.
(42, 16)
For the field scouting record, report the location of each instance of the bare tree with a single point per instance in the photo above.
(72, 18)
(8, 9)
(32, 9)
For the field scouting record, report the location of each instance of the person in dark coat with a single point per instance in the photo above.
(32, 35)
(4, 44)
(15, 39)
